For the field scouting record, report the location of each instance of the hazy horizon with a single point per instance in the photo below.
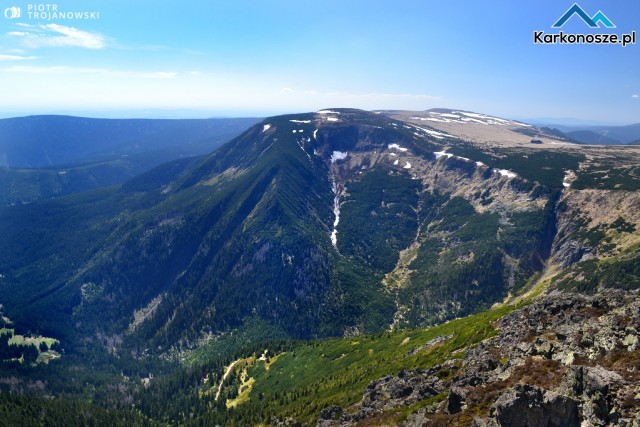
(205, 59)
(192, 114)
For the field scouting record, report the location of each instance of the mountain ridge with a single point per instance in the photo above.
(336, 223)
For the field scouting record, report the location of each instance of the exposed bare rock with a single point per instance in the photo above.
(436, 340)
(565, 360)
(529, 406)
(391, 391)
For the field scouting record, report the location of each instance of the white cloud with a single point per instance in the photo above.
(635, 96)
(54, 35)
(15, 58)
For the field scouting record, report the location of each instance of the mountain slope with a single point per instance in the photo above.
(248, 231)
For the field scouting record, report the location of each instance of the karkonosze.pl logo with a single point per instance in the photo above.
(595, 21)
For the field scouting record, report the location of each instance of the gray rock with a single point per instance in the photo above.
(456, 401)
(580, 332)
(527, 406)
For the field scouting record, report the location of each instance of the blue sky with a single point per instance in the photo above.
(235, 58)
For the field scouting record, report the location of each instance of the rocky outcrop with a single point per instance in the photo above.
(391, 391)
(565, 360)
(590, 222)
(530, 406)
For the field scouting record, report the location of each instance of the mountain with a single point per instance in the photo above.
(338, 223)
(602, 134)
(317, 217)
(591, 137)
(52, 156)
(46, 141)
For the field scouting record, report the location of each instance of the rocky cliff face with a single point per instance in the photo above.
(566, 360)
(595, 223)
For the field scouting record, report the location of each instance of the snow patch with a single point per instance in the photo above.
(336, 212)
(315, 133)
(302, 147)
(479, 164)
(328, 112)
(305, 151)
(475, 121)
(436, 134)
(397, 147)
(300, 121)
(506, 173)
(396, 162)
(266, 127)
(333, 119)
(439, 154)
(338, 155)
(566, 181)
(465, 117)
(407, 166)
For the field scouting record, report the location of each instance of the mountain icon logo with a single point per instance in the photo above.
(592, 21)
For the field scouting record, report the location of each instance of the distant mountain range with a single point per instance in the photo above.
(602, 135)
(52, 141)
(50, 156)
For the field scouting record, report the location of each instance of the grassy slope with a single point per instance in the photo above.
(319, 374)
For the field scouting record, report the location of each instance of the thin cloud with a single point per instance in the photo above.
(403, 95)
(54, 35)
(635, 96)
(385, 96)
(22, 69)
(365, 96)
(6, 58)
